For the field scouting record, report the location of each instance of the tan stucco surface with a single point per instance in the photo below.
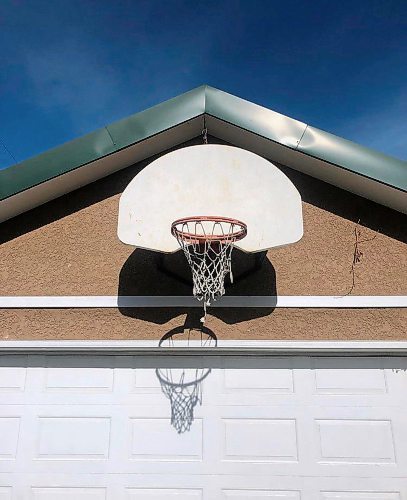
(70, 247)
(284, 324)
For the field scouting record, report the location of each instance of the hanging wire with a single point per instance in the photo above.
(205, 135)
(7, 150)
(205, 131)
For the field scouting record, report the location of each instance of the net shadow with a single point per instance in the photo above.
(183, 386)
(150, 273)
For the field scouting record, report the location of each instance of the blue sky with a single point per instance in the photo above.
(68, 67)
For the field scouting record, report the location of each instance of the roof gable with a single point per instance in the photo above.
(277, 137)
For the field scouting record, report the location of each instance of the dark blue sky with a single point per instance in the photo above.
(68, 67)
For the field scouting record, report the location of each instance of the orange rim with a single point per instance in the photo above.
(194, 238)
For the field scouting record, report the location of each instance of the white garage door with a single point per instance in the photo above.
(98, 428)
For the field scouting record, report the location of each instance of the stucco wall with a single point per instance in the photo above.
(282, 324)
(70, 247)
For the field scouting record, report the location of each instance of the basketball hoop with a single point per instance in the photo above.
(207, 242)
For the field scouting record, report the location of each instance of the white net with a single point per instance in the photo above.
(207, 243)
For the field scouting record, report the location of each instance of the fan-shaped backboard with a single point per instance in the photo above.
(213, 180)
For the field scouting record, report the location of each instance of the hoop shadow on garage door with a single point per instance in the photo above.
(183, 386)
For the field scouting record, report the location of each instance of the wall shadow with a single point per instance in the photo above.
(316, 192)
(186, 333)
(350, 206)
(78, 199)
(143, 274)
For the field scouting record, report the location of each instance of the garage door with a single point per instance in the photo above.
(99, 427)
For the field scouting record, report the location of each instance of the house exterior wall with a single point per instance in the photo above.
(281, 324)
(70, 247)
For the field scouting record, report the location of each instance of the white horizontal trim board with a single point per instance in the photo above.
(284, 301)
(195, 347)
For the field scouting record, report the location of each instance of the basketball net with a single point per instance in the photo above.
(207, 243)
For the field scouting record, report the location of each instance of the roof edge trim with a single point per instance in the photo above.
(307, 139)
(203, 100)
(101, 143)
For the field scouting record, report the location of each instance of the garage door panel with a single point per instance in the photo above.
(396, 378)
(339, 376)
(78, 380)
(71, 437)
(356, 440)
(260, 494)
(356, 382)
(67, 493)
(275, 381)
(163, 494)
(360, 495)
(5, 493)
(259, 440)
(9, 432)
(345, 442)
(145, 442)
(150, 441)
(12, 379)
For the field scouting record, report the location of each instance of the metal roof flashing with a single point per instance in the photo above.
(335, 160)
(101, 143)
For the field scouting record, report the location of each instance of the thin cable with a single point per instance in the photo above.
(205, 132)
(8, 151)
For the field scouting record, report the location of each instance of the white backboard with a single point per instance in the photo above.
(210, 180)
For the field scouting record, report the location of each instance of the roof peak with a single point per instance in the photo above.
(230, 118)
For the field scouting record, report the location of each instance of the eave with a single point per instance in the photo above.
(279, 138)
